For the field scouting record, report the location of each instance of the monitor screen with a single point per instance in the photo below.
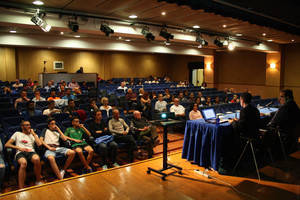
(209, 113)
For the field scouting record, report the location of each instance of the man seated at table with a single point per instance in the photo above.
(24, 144)
(178, 110)
(249, 121)
(76, 134)
(160, 105)
(144, 131)
(50, 139)
(119, 129)
(286, 119)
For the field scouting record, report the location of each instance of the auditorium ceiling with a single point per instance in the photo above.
(175, 15)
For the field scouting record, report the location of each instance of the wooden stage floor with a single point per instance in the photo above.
(132, 182)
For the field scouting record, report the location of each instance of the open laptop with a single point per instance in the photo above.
(209, 116)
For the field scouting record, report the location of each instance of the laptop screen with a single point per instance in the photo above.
(209, 113)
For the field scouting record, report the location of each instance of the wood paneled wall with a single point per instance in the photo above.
(7, 64)
(107, 64)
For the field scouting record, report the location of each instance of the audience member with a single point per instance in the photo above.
(23, 98)
(146, 104)
(208, 101)
(68, 94)
(30, 111)
(35, 86)
(80, 70)
(195, 113)
(234, 99)
(37, 96)
(73, 84)
(167, 94)
(120, 130)
(105, 107)
(24, 144)
(141, 92)
(160, 105)
(51, 109)
(178, 109)
(53, 96)
(217, 100)
(77, 134)
(17, 84)
(106, 147)
(50, 139)
(93, 106)
(123, 87)
(71, 108)
(143, 132)
(49, 86)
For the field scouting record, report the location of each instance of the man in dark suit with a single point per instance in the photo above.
(286, 120)
(249, 121)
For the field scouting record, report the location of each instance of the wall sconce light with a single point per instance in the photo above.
(208, 66)
(272, 65)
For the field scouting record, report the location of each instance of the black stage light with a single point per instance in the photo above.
(168, 36)
(106, 29)
(218, 43)
(148, 35)
(74, 26)
(38, 20)
(200, 40)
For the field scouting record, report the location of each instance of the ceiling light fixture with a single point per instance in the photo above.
(224, 26)
(148, 35)
(163, 13)
(127, 40)
(38, 3)
(239, 34)
(225, 42)
(167, 43)
(132, 16)
(13, 31)
(264, 34)
(106, 29)
(200, 40)
(77, 36)
(196, 26)
(165, 34)
(270, 40)
(62, 33)
(38, 20)
(293, 40)
(74, 26)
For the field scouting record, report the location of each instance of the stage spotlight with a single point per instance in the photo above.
(225, 42)
(218, 43)
(37, 19)
(200, 40)
(106, 29)
(231, 46)
(148, 35)
(164, 33)
(74, 26)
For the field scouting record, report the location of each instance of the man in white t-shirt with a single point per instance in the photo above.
(51, 109)
(178, 109)
(123, 87)
(24, 144)
(50, 139)
(160, 105)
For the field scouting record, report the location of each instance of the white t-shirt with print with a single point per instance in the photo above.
(23, 140)
(51, 137)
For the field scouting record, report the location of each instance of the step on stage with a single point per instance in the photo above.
(132, 182)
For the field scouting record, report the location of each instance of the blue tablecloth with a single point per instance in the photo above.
(203, 142)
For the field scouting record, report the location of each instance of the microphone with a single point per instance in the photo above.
(268, 104)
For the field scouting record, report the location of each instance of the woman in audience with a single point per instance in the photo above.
(51, 109)
(146, 104)
(37, 96)
(105, 107)
(141, 92)
(167, 94)
(195, 113)
(106, 146)
(50, 139)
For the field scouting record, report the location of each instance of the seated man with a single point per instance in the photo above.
(68, 94)
(195, 113)
(131, 97)
(23, 98)
(24, 144)
(119, 129)
(51, 109)
(107, 149)
(49, 86)
(160, 105)
(178, 110)
(50, 139)
(249, 122)
(144, 131)
(17, 84)
(76, 135)
(37, 96)
(30, 111)
(71, 108)
(73, 84)
(93, 106)
(123, 86)
(53, 96)
(286, 119)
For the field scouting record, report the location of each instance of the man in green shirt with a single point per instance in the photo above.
(76, 135)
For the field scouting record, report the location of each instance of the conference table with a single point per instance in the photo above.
(206, 144)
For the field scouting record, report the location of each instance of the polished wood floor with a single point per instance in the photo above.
(132, 182)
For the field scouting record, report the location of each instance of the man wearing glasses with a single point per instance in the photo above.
(24, 144)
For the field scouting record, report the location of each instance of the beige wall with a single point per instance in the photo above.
(291, 71)
(107, 64)
(7, 64)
